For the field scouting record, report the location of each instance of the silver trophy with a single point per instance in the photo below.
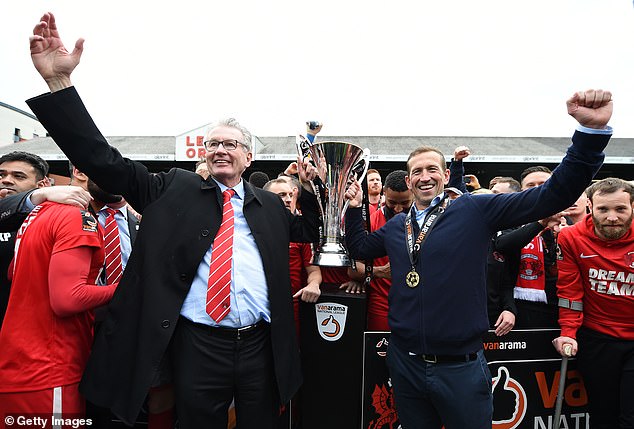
(337, 164)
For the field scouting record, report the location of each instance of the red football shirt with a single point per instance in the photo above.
(300, 257)
(379, 288)
(599, 273)
(40, 349)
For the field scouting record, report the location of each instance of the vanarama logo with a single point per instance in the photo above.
(511, 392)
(505, 345)
(331, 320)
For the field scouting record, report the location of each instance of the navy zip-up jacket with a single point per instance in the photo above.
(446, 314)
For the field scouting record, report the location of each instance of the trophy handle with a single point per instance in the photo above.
(362, 165)
(359, 170)
(303, 150)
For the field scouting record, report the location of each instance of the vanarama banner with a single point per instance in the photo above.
(525, 370)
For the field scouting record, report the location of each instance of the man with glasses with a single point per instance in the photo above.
(231, 338)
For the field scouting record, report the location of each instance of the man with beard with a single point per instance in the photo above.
(19, 172)
(596, 301)
(47, 333)
(375, 187)
(438, 250)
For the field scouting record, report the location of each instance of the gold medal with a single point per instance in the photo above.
(412, 279)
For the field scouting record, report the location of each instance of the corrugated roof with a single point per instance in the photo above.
(386, 148)
(484, 149)
(144, 148)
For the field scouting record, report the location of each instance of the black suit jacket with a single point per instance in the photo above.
(133, 226)
(13, 211)
(11, 218)
(181, 215)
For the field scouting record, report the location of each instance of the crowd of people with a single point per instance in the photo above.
(179, 291)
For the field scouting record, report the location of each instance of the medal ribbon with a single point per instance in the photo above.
(413, 246)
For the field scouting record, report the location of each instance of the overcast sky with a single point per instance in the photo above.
(363, 67)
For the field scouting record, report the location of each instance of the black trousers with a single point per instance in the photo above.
(213, 366)
(607, 366)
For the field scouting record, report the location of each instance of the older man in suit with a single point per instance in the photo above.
(245, 346)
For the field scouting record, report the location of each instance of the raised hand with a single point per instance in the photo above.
(591, 108)
(354, 194)
(49, 55)
(313, 131)
(306, 172)
(291, 169)
(461, 152)
(473, 181)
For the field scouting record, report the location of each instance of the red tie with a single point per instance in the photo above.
(219, 284)
(112, 247)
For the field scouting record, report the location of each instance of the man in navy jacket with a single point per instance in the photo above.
(438, 301)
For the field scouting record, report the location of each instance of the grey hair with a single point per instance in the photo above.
(232, 123)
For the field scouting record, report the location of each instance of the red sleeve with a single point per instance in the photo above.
(75, 228)
(67, 279)
(306, 250)
(569, 285)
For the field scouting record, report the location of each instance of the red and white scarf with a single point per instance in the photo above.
(531, 278)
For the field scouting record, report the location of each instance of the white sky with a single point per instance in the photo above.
(363, 67)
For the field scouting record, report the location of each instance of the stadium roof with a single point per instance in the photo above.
(15, 109)
(388, 148)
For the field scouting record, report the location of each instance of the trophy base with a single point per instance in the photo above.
(331, 255)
